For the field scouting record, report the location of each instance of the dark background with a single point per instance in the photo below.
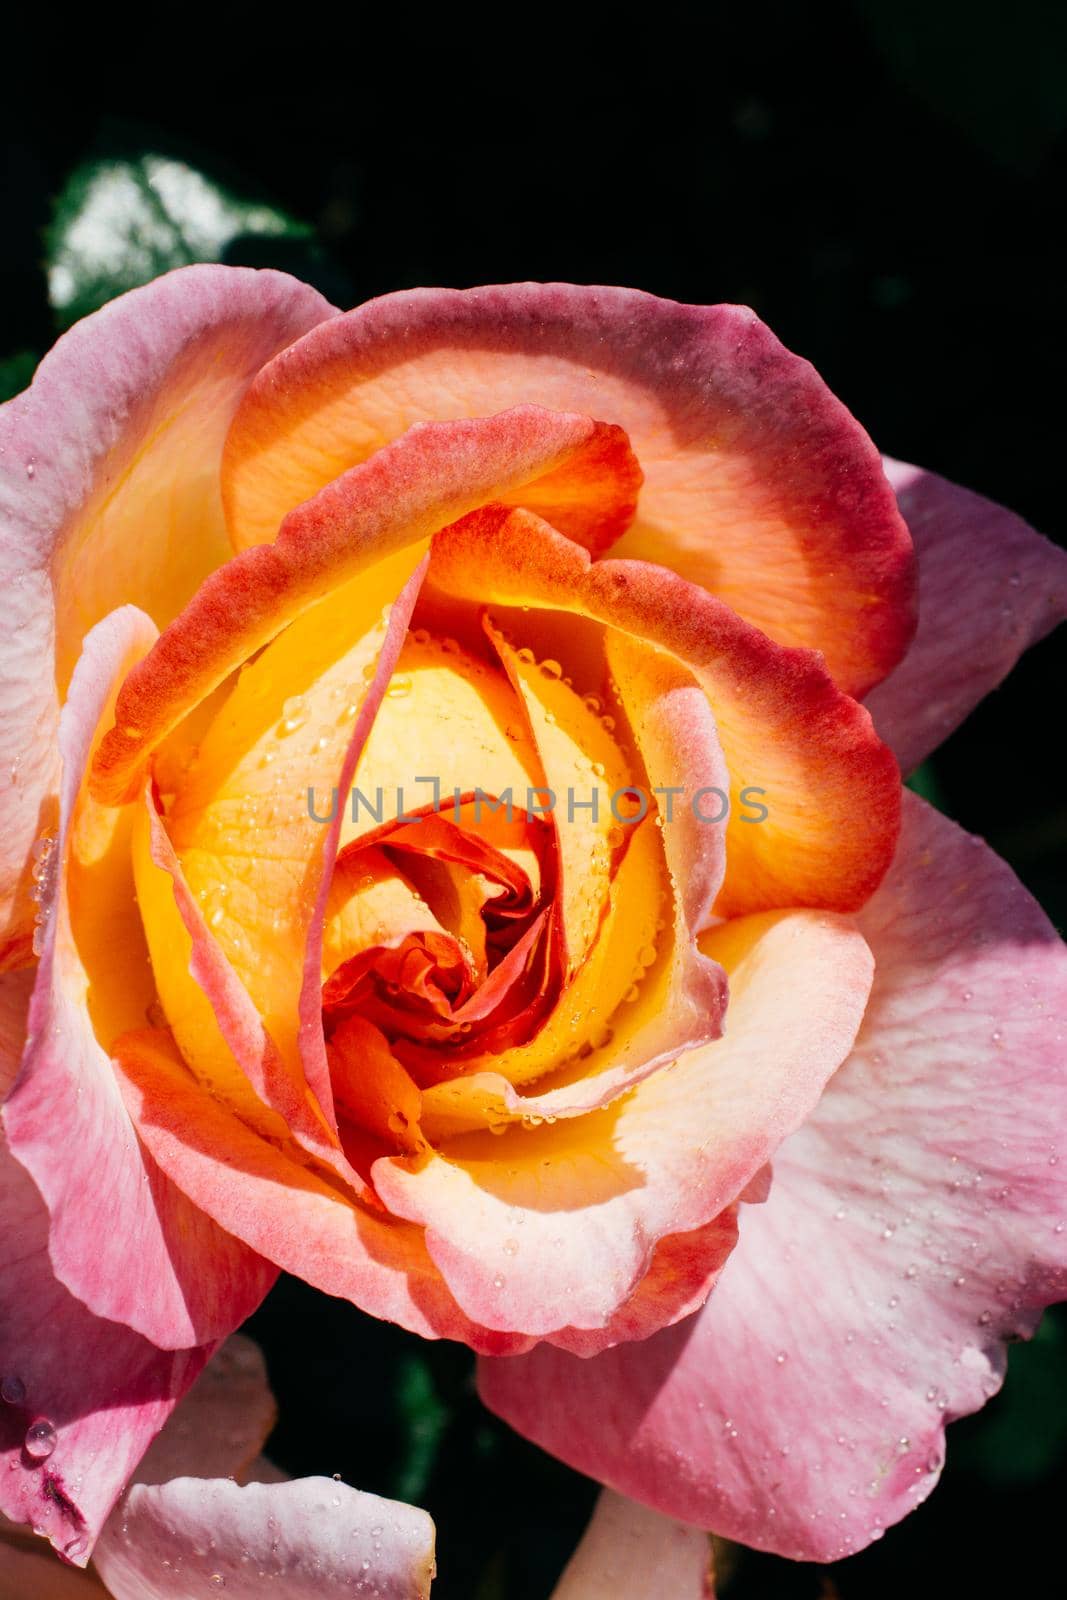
(884, 184)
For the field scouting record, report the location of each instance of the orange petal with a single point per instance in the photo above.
(384, 508)
(832, 789)
(758, 484)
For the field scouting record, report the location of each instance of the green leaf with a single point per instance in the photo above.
(424, 1420)
(16, 372)
(119, 223)
(1021, 1437)
(924, 782)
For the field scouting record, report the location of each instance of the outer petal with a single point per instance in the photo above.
(109, 492)
(917, 1220)
(832, 788)
(189, 1537)
(168, 1271)
(107, 1403)
(631, 1553)
(758, 484)
(313, 1537)
(222, 1424)
(989, 587)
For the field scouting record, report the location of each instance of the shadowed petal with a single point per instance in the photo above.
(989, 587)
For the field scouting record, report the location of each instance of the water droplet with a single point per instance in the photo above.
(499, 1281)
(551, 669)
(31, 469)
(511, 1247)
(76, 1547)
(399, 686)
(294, 715)
(40, 1439)
(12, 1390)
(780, 1358)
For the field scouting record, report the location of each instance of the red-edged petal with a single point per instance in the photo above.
(831, 787)
(916, 1221)
(168, 1272)
(109, 493)
(758, 484)
(314, 1537)
(989, 587)
(631, 1553)
(427, 478)
(682, 1273)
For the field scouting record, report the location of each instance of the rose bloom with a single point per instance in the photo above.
(730, 1137)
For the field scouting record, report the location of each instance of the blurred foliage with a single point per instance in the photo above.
(997, 77)
(16, 372)
(119, 223)
(924, 783)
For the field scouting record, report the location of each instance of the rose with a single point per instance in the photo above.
(473, 1125)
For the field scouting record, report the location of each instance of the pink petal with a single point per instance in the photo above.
(105, 1389)
(168, 1272)
(116, 443)
(221, 1425)
(915, 1222)
(758, 484)
(631, 1553)
(989, 588)
(191, 1537)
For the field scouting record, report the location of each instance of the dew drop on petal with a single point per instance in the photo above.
(12, 1389)
(40, 1439)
